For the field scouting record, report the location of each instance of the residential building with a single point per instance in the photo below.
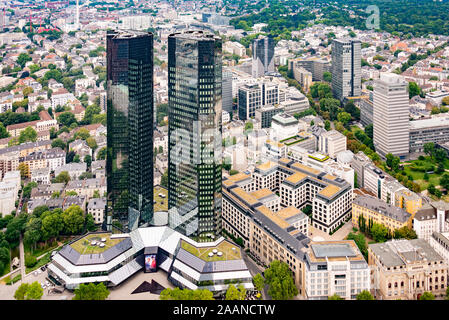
(74, 169)
(97, 207)
(41, 175)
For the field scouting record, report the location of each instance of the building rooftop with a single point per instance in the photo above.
(379, 206)
(229, 251)
(402, 252)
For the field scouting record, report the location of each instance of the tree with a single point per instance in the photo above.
(24, 169)
(90, 223)
(52, 225)
(327, 125)
(327, 76)
(392, 161)
(82, 134)
(29, 134)
(431, 188)
(429, 148)
(405, 233)
(335, 297)
(427, 296)
(21, 291)
(91, 292)
(164, 179)
(73, 220)
(444, 181)
(58, 143)
(413, 89)
(101, 155)
(63, 177)
(235, 294)
(96, 194)
(92, 143)
(344, 117)
(3, 132)
(186, 294)
(32, 231)
(259, 282)
(28, 291)
(379, 232)
(280, 281)
(66, 118)
(88, 159)
(22, 59)
(365, 295)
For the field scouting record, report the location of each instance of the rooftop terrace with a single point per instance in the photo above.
(229, 251)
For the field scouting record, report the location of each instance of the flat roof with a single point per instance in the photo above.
(267, 165)
(262, 193)
(329, 191)
(296, 177)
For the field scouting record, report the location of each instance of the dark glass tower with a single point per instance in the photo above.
(194, 128)
(129, 164)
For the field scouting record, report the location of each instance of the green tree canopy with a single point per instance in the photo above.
(365, 295)
(280, 281)
(91, 292)
(427, 296)
(259, 282)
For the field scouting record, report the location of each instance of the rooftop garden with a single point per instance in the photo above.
(292, 140)
(85, 244)
(203, 253)
(321, 159)
(160, 202)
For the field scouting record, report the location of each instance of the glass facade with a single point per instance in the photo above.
(129, 166)
(194, 158)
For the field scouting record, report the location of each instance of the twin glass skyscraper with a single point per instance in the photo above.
(194, 156)
(129, 161)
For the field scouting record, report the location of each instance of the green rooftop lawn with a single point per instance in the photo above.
(83, 245)
(161, 203)
(203, 253)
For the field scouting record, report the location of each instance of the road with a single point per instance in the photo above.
(22, 258)
(255, 269)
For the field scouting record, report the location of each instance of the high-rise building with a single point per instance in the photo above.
(194, 156)
(263, 56)
(391, 116)
(249, 100)
(129, 166)
(227, 90)
(346, 68)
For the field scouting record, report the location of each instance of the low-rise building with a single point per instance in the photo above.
(372, 208)
(431, 217)
(96, 207)
(331, 143)
(74, 169)
(405, 269)
(41, 175)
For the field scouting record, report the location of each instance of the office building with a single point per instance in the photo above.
(405, 269)
(316, 66)
(227, 99)
(331, 143)
(249, 100)
(431, 217)
(263, 56)
(366, 110)
(129, 166)
(391, 116)
(116, 257)
(435, 129)
(335, 267)
(194, 173)
(265, 115)
(346, 68)
(372, 208)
